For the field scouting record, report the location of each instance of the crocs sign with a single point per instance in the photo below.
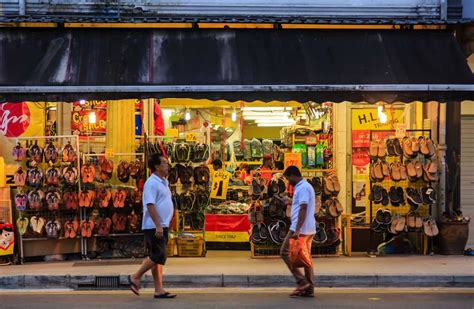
(14, 119)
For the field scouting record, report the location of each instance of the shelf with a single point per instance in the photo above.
(248, 162)
(47, 238)
(119, 235)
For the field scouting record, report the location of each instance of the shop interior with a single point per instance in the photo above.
(75, 185)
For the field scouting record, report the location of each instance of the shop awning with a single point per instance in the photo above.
(303, 65)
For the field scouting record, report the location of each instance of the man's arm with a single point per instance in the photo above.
(156, 219)
(301, 219)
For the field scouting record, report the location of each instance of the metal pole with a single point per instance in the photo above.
(442, 159)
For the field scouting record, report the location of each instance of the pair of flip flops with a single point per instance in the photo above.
(136, 290)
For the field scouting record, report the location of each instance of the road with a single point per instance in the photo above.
(243, 298)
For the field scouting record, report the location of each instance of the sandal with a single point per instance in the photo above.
(133, 287)
(164, 295)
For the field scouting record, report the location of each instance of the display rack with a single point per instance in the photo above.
(60, 214)
(401, 210)
(86, 212)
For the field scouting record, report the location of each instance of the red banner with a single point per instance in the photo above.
(227, 228)
(227, 223)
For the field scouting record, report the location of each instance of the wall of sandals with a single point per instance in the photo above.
(404, 176)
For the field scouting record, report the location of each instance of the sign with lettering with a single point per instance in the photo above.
(191, 137)
(293, 159)
(19, 120)
(401, 130)
(80, 118)
(367, 119)
(109, 152)
(220, 184)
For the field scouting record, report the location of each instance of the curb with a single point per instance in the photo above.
(249, 281)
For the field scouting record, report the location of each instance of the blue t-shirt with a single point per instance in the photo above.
(304, 194)
(157, 192)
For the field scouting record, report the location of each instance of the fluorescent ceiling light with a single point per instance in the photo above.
(266, 113)
(234, 115)
(269, 108)
(263, 120)
(281, 124)
(251, 117)
(187, 115)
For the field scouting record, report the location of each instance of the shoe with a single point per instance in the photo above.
(407, 148)
(393, 196)
(398, 147)
(382, 150)
(385, 199)
(395, 172)
(374, 149)
(379, 216)
(390, 147)
(411, 170)
(415, 146)
(401, 195)
(403, 171)
(423, 146)
(419, 170)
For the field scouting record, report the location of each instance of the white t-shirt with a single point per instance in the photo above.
(304, 194)
(157, 192)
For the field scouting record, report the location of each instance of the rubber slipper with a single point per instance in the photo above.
(133, 287)
(165, 295)
(390, 148)
(397, 146)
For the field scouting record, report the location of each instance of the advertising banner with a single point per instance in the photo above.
(227, 228)
(80, 118)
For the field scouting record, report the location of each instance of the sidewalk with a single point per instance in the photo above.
(237, 269)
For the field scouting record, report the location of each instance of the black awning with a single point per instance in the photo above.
(68, 64)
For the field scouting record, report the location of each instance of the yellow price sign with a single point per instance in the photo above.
(401, 130)
(220, 184)
(191, 137)
(109, 152)
(172, 133)
(293, 159)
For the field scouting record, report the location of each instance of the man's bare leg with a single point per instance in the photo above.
(157, 272)
(146, 266)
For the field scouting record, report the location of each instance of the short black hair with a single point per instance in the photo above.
(217, 162)
(292, 171)
(154, 160)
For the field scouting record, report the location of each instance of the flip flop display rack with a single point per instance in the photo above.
(47, 190)
(270, 217)
(403, 188)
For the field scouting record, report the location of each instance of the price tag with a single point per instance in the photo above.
(293, 159)
(172, 133)
(109, 152)
(401, 130)
(191, 137)
(220, 183)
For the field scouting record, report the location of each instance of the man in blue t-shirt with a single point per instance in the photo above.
(157, 214)
(303, 227)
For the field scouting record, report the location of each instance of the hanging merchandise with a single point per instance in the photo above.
(35, 153)
(239, 154)
(18, 153)
(51, 152)
(267, 145)
(247, 150)
(256, 149)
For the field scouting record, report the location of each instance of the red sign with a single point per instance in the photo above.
(80, 124)
(360, 156)
(360, 138)
(14, 119)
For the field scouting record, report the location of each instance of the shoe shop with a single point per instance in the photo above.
(372, 126)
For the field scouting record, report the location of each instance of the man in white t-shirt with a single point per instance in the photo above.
(303, 226)
(157, 214)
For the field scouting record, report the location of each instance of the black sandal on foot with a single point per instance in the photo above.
(133, 287)
(165, 295)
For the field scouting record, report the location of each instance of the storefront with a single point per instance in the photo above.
(307, 100)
